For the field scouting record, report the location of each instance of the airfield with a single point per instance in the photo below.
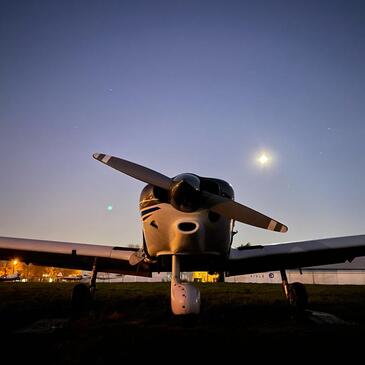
(127, 318)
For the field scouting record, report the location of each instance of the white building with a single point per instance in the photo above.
(340, 274)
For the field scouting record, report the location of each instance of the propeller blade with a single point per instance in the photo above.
(134, 170)
(219, 204)
(233, 210)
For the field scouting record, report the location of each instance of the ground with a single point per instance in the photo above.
(134, 319)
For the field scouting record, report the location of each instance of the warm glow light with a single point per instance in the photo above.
(263, 159)
(15, 262)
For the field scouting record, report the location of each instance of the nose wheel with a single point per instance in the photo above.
(185, 298)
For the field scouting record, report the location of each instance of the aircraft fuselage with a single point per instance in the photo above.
(169, 231)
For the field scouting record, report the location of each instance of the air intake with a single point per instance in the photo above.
(187, 226)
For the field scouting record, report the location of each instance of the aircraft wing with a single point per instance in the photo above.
(294, 255)
(79, 256)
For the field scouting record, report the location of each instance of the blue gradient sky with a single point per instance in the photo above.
(181, 86)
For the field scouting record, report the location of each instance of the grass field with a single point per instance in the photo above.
(131, 318)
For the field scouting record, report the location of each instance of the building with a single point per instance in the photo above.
(348, 273)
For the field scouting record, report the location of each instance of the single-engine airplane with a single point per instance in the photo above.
(86, 276)
(188, 225)
(11, 277)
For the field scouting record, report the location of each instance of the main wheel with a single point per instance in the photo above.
(81, 300)
(297, 296)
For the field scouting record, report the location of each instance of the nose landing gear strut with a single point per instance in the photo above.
(185, 298)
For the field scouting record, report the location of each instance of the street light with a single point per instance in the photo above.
(15, 261)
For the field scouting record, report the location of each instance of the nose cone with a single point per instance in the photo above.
(187, 236)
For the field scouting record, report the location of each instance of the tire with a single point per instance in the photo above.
(297, 296)
(81, 300)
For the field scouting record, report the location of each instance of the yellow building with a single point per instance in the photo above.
(204, 277)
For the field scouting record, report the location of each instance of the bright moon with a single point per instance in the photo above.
(263, 159)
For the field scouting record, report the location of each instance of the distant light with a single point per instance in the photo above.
(263, 159)
(109, 208)
(15, 262)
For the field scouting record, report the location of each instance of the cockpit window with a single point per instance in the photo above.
(217, 186)
(152, 195)
(161, 194)
(210, 186)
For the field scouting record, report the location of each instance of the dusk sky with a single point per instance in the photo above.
(181, 86)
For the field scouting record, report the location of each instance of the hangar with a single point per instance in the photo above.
(348, 273)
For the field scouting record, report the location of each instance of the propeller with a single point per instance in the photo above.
(134, 170)
(185, 194)
(231, 209)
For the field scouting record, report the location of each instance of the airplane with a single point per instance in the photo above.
(188, 225)
(12, 277)
(85, 276)
(75, 277)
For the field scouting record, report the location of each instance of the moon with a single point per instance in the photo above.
(264, 159)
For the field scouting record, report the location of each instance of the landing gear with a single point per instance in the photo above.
(92, 287)
(82, 295)
(221, 277)
(295, 293)
(185, 298)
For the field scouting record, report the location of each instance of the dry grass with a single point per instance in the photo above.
(130, 319)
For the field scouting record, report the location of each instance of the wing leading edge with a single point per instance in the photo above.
(295, 255)
(73, 255)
